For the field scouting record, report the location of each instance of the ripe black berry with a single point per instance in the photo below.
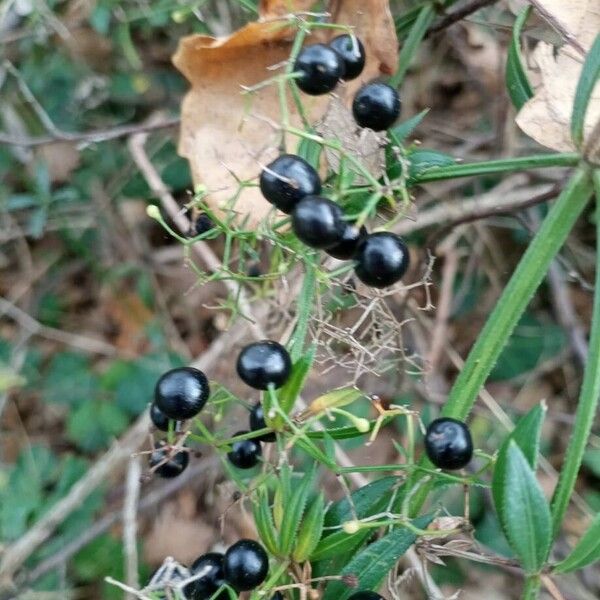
(257, 421)
(159, 419)
(366, 595)
(246, 565)
(352, 51)
(174, 466)
(263, 363)
(376, 106)
(318, 222)
(209, 568)
(448, 443)
(201, 224)
(181, 393)
(245, 453)
(321, 68)
(345, 249)
(381, 259)
(287, 180)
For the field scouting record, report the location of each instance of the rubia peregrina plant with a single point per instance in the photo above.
(307, 543)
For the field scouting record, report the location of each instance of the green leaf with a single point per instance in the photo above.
(517, 83)
(591, 461)
(585, 86)
(263, 519)
(69, 380)
(423, 160)
(372, 564)
(339, 543)
(412, 42)
(588, 399)
(310, 151)
(293, 509)
(528, 431)
(401, 131)
(287, 394)
(310, 530)
(94, 424)
(586, 552)
(523, 509)
(339, 433)
(366, 500)
(304, 303)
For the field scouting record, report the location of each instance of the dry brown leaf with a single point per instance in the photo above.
(546, 117)
(279, 8)
(227, 136)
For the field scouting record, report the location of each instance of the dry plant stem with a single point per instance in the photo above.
(204, 252)
(564, 33)
(459, 15)
(89, 137)
(34, 327)
(130, 507)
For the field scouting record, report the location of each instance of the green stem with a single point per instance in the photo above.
(532, 587)
(489, 167)
(588, 399)
(412, 43)
(514, 300)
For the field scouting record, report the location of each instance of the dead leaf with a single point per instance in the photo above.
(279, 8)
(228, 136)
(61, 158)
(546, 117)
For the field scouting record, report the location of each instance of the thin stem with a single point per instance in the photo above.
(565, 159)
(532, 587)
(588, 399)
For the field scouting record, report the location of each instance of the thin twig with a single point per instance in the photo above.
(459, 15)
(130, 507)
(88, 137)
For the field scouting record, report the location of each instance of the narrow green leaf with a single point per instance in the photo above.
(264, 521)
(289, 392)
(304, 304)
(401, 131)
(310, 530)
(588, 399)
(424, 160)
(517, 83)
(405, 21)
(527, 433)
(366, 500)
(339, 543)
(585, 86)
(372, 564)
(293, 510)
(343, 433)
(586, 552)
(522, 507)
(310, 151)
(413, 41)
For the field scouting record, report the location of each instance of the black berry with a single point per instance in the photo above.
(263, 363)
(352, 51)
(257, 421)
(381, 259)
(320, 67)
(277, 596)
(159, 419)
(209, 568)
(170, 465)
(346, 248)
(201, 224)
(246, 565)
(318, 222)
(448, 443)
(376, 106)
(287, 180)
(245, 453)
(366, 595)
(181, 393)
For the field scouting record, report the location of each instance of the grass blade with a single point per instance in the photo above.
(585, 86)
(588, 401)
(518, 86)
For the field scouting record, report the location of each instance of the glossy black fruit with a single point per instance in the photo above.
(257, 421)
(381, 259)
(321, 68)
(277, 596)
(448, 443)
(246, 565)
(181, 393)
(287, 180)
(245, 453)
(318, 222)
(376, 106)
(352, 51)
(201, 224)
(209, 568)
(173, 467)
(366, 595)
(346, 249)
(159, 419)
(263, 363)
